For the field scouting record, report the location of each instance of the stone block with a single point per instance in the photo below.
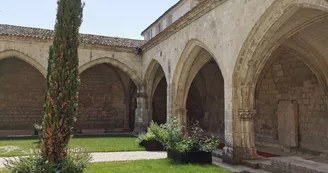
(288, 123)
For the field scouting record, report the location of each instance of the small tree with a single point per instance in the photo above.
(62, 81)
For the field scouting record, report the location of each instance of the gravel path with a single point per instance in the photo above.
(116, 156)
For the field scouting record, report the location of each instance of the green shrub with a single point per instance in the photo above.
(158, 130)
(75, 162)
(146, 136)
(154, 132)
(171, 134)
(194, 141)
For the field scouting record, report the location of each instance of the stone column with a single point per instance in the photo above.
(181, 115)
(247, 150)
(141, 116)
(242, 144)
(169, 102)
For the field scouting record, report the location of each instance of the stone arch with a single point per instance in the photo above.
(106, 100)
(267, 35)
(186, 69)
(13, 53)
(155, 80)
(115, 63)
(257, 45)
(151, 70)
(287, 80)
(22, 90)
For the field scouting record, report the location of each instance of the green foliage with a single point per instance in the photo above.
(62, 81)
(172, 138)
(171, 134)
(197, 141)
(75, 162)
(146, 137)
(154, 132)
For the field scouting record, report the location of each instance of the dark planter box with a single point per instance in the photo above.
(142, 143)
(191, 157)
(152, 145)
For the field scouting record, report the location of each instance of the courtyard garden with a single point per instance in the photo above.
(192, 151)
(57, 151)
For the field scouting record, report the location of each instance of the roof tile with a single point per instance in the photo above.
(86, 38)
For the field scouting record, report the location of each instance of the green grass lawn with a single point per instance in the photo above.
(108, 143)
(150, 166)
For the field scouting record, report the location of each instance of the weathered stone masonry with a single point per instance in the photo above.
(242, 39)
(103, 100)
(289, 79)
(21, 96)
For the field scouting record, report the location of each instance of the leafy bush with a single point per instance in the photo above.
(158, 131)
(194, 141)
(75, 162)
(171, 134)
(146, 137)
(154, 132)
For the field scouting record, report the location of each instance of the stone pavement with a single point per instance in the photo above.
(115, 156)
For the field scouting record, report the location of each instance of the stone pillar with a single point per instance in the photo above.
(181, 115)
(247, 150)
(241, 146)
(141, 116)
(169, 102)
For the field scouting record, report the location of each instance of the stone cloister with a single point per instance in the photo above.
(253, 73)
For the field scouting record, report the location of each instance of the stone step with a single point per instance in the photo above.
(217, 153)
(287, 165)
(257, 164)
(297, 165)
(237, 168)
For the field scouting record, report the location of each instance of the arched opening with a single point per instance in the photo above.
(106, 101)
(157, 89)
(282, 75)
(205, 101)
(22, 92)
(159, 102)
(291, 106)
(198, 90)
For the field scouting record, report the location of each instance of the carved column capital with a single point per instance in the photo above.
(141, 95)
(246, 115)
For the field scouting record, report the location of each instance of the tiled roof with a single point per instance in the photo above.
(86, 38)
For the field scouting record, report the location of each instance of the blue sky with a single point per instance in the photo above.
(121, 18)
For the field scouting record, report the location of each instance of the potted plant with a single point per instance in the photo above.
(152, 140)
(191, 148)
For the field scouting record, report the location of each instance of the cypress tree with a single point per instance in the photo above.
(50, 59)
(62, 81)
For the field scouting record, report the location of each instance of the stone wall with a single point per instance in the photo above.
(102, 100)
(289, 79)
(22, 90)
